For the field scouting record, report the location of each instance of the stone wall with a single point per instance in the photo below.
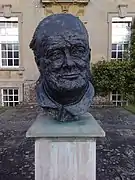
(0, 98)
(101, 100)
(29, 92)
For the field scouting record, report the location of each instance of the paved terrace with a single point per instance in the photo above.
(115, 153)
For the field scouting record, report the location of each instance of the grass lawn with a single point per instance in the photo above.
(3, 109)
(131, 108)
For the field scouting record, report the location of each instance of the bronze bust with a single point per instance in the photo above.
(61, 49)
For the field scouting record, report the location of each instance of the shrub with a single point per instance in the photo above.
(114, 76)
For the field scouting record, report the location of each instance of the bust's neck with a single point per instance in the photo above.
(67, 97)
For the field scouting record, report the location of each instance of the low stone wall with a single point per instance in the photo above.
(29, 92)
(101, 101)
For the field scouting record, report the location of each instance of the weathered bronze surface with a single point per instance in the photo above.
(61, 49)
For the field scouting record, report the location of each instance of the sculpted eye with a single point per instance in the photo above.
(78, 50)
(54, 54)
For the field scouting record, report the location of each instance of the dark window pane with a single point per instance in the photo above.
(125, 46)
(16, 54)
(119, 103)
(114, 54)
(16, 103)
(16, 62)
(114, 46)
(114, 98)
(10, 91)
(4, 62)
(15, 98)
(114, 103)
(16, 47)
(4, 54)
(120, 47)
(3, 46)
(119, 97)
(5, 103)
(10, 103)
(10, 54)
(16, 91)
(120, 55)
(4, 91)
(10, 62)
(9, 47)
(10, 98)
(5, 98)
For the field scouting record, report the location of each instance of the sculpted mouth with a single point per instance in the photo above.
(69, 76)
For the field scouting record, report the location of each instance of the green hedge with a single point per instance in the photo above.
(114, 76)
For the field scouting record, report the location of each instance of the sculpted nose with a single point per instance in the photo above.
(68, 60)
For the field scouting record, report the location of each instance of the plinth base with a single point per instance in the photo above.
(64, 159)
(65, 151)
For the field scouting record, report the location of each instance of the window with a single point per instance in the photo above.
(10, 97)
(120, 37)
(9, 42)
(117, 99)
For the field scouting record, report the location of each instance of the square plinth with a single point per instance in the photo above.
(65, 150)
(47, 127)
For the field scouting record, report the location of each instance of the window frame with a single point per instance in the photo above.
(19, 15)
(116, 102)
(13, 59)
(111, 15)
(126, 20)
(5, 20)
(2, 96)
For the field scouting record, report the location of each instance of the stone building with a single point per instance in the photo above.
(107, 22)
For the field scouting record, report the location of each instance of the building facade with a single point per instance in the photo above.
(107, 22)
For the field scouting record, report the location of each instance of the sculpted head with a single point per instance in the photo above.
(62, 54)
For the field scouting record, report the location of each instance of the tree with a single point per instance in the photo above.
(132, 55)
(132, 41)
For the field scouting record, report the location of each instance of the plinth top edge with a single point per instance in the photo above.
(47, 127)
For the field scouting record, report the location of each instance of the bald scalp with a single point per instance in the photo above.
(66, 26)
(57, 24)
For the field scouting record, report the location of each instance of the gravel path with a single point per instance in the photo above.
(115, 153)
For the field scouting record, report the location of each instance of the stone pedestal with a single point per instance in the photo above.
(65, 150)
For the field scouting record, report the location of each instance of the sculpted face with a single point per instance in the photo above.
(61, 48)
(66, 63)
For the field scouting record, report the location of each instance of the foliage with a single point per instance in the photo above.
(132, 41)
(131, 108)
(114, 76)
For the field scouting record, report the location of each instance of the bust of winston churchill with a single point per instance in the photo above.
(61, 48)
